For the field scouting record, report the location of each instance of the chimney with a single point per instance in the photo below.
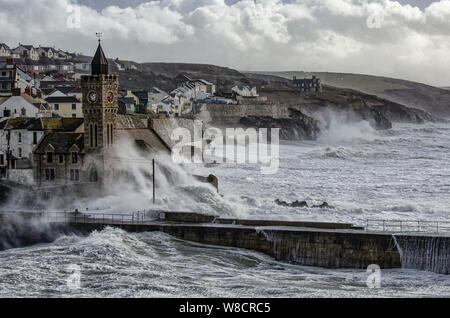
(15, 91)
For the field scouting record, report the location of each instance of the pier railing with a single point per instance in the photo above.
(408, 226)
(94, 218)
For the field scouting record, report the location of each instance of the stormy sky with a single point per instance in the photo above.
(407, 39)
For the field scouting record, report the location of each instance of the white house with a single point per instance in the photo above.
(61, 55)
(81, 66)
(27, 51)
(23, 134)
(17, 106)
(46, 52)
(205, 87)
(5, 50)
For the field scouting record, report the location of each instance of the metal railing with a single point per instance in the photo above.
(77, 217)
(95, 218)
(407, 226)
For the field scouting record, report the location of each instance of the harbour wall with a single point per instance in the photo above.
(303, 246)
(230, 115)
(328, 245)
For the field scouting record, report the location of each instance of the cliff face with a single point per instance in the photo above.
(298, 114)
(297, 127)
(379, 112)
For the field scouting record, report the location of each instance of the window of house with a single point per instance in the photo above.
(49, 174)
(74, 174)
(2, 160)
(74, 115)
(56, 106)
(107, 134)
(91, 135)
(20, 137)
(3, 73)
(112, 134)
(93, 176)
(74, 157)
(74, 106)
(95, 136)
(49, 157)
(61, 159)
(35, 138)
(20, 152)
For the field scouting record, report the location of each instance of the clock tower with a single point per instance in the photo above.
(100, 106)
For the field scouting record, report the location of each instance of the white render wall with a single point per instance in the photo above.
(26, 145)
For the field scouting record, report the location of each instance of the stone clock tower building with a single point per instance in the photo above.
(100, 106)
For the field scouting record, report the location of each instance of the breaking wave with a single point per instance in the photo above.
(114, 263)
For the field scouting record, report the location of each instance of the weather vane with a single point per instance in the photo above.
(99, 35)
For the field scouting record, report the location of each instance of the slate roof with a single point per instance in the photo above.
(61, 142)
(3, 124)
(129, 122)
(99, 64)
(127, 100)
(144, 139)
(56, 124)
(47, 91)
(183, 78)
(140, 94)
(69, 89)
(46, 48)
(62, 99)
(17, 102)
(18, 123)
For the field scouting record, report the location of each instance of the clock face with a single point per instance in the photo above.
(92, 97)
(110, 97)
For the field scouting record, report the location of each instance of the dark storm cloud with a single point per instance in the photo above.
(408, 39)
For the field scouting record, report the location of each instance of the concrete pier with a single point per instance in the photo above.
(328, 245)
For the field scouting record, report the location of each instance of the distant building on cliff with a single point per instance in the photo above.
(307, 84)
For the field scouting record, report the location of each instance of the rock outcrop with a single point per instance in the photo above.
(297, 127)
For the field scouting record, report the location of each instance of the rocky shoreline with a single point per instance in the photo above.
(305, 111)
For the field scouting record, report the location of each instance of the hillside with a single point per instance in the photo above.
(432, 99)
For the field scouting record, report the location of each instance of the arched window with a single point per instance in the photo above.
(96, 136)
(93, 175)
(91, 135)
(107, 135)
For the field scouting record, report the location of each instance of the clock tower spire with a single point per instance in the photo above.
(100, 106)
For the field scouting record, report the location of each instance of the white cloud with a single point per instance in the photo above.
(325, 35)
